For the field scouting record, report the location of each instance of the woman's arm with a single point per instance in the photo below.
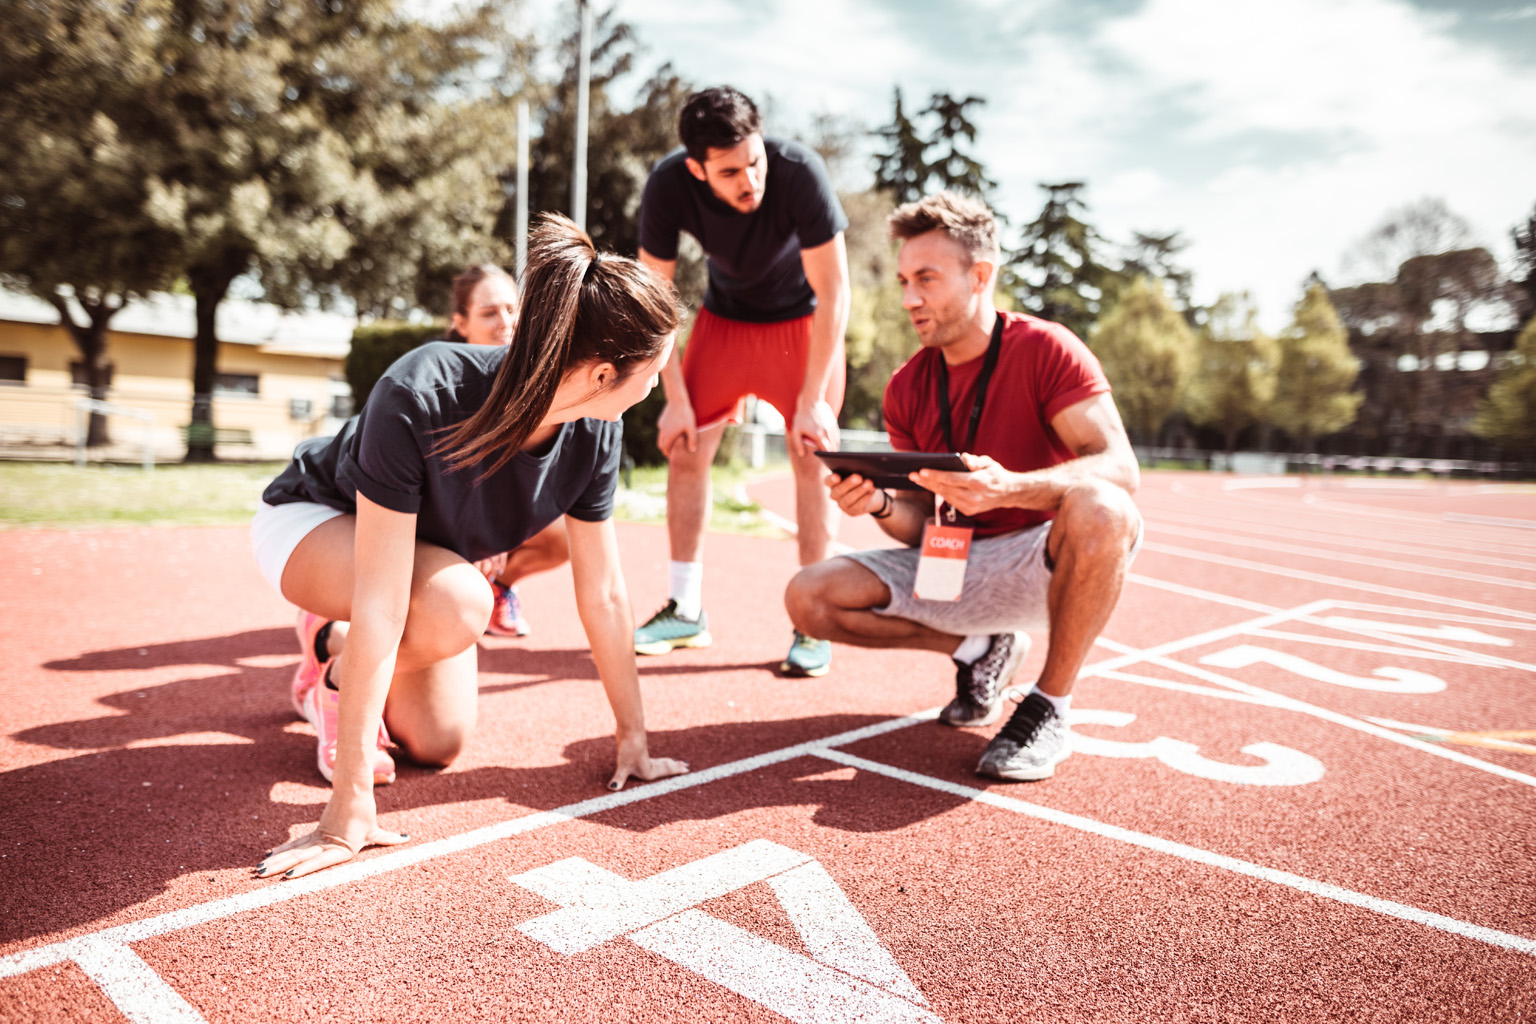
(381, 595)
(603, 603)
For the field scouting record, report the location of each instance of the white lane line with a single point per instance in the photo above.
(1292, 704)
(1262, 532)
(1419, 613)
(355, 871)
(1479, 933)
(131, 984)
(1454, 656)
(1333, 581)
(1339, 556)
(1465, 517)
(1204, 595)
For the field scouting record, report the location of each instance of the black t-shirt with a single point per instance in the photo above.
(385, 452)
(755, 272)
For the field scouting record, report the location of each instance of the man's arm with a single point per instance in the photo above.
(826, 269)
(1091, 428)
(676, 420)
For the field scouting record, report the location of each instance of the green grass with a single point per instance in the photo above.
(60, 495)
(52, 494)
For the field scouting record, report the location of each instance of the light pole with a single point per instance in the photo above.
(583, 84)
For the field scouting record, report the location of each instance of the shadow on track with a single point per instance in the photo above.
(178, 781)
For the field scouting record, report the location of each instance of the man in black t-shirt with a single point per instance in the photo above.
(772, 325)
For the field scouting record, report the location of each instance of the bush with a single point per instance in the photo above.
(375, 346)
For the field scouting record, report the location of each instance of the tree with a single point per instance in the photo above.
(1313, 395)
(1148, 353)
(1235, 369)
(880, 336)
(1507, 414)
(905, 170)
(1056, 271)
(74, 230)
(1524, 237)
(1155, 256)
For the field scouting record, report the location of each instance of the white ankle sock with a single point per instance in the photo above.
(686, 587)
(971, 648)
(1061, 704)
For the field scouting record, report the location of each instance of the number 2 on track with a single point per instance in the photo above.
(1388, 679)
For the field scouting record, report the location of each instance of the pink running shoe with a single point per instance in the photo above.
(507, 613)
(322, 707)
(308, 673)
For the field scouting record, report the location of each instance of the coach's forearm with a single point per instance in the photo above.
(1045, 489)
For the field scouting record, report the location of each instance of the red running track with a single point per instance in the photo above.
(1302, 790)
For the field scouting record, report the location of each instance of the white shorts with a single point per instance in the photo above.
(1007, 582)
(277, 530)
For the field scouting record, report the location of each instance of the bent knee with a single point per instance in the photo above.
(806, 600)
(439, 749)
(1099, 514)
(448, 614)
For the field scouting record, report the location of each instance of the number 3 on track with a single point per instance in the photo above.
(1282, 766)
(1388, 680)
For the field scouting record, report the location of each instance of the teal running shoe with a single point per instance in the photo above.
(667, 630)
(807, 657)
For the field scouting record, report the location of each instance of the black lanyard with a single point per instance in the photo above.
(987, 366)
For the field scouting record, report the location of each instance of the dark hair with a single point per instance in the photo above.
(966, 221)
(578, 306)
(464, 287)
(716, 118)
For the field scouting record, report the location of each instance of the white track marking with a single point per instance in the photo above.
(133, 986)
(1261, 532)
(1463, 517)
(1201, 691)
(1476, 658)
(1333, 581)
(835, 932)
(1439, 616)
(848, 977)
(1346, 558)
(1203, 595)
(405, 856)
(1387, 679)
(1389, 908)
(1291, 704)
(791, 985)
(596, 910)
(1282, 766)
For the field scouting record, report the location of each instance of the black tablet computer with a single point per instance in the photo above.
(890, 469)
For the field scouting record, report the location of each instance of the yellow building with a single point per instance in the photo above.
(280, 379)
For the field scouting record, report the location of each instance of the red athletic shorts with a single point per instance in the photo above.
(726, 360)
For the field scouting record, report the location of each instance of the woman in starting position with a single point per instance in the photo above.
(461, 452)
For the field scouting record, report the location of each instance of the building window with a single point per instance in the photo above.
(247, 384)
(13, 369)
(341, 406)
(77, 375)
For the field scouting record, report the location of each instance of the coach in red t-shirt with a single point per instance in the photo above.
(1048, 495)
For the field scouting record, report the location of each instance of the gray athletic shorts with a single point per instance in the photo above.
(1007, 579)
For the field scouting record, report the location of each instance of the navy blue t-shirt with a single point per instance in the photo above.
(755, 273)
(386, 453)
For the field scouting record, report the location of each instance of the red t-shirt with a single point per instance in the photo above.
(1042, 368)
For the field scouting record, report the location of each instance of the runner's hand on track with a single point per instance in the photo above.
(854, 494)
(814, 427)
(676, 421)
(346, 828)
(635, 760)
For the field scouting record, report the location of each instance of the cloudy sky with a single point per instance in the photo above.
(1273, 136)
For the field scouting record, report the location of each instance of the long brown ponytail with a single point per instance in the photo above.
(577, 307)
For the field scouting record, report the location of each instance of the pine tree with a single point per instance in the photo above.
(1056, 271)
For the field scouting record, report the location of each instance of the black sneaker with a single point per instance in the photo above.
(979, 686)
(1030, 746)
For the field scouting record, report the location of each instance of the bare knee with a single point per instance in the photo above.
(818, 593)
(805, 602)
(1099, 518)
(448, 613)
(439, 749)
